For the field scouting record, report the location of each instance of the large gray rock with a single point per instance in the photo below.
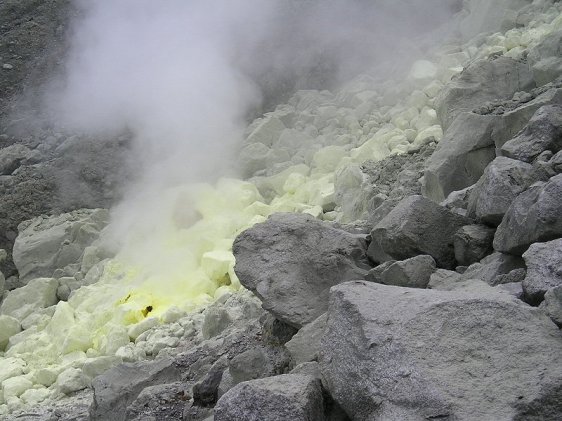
(500, 184)
(472, 243)
(469, 144)
(11, 157)
(45, 244)
(418, 226)
(118, 387)
(493, 266)
(544, 132)
(305, 345)
(481, 81)
(394, 353)
(535, 215)
(287, 397)
(552, 304)
(462, 155)
(413, 272)
(544, 269)
(546, 58)
(291, 261)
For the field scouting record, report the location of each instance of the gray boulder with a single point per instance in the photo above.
(546, 58)
(394, 353)
(483, 80)
(544, 269)
(118, 387)
(535, 215)
(462, 155)
(493, 266)
(552, 304)
(287, 397)
(503, 180)
(259, 362)
(418, 226)
(413, 272)
(292, 260)
(472, 243)
(469, 144)
(158, 402)
(11, 157)
(544, 132)
(305, 345)
(375, 274)
(45, 244)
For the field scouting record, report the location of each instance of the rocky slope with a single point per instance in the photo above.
(411, 270)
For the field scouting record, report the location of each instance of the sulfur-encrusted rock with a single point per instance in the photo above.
(544, 132)
(535, 215)
(37, 294)
(418, 226)
(287, 397)
(291, 261)
(9, 326)
(500, 184)
(544, 269)
(392, 353)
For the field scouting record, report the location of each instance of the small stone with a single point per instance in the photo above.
(7, 66)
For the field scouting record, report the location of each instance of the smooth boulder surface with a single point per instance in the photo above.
(291, 261)
(287, 397)
(544, 269)
(544, 132)
(45, 244)
(503, 180)
(418, 226)
(535, 215)
(394, 353)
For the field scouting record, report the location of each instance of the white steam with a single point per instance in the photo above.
(182, 75)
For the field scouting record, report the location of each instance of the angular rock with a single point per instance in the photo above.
(291, 261)
(544, 132)
(546, 58)
(305, 345)
(512, 288)
(468, 145)
(117, 388)
(9, 326)
(46, 244)
(457, 201)
(481, 81)
(552, 304)
(287, 397)
(535, 215)
(418, 226)
(159, 402)
(37, 294)
(375, 274)
(11, 157)
(394, 353)
(503, 180)
(413, 273)
(205, 392)
(257, 363)
(544, 269)
(493, 266)
(472, 243)
(462, 155)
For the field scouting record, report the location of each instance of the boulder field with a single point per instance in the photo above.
(393, 252)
